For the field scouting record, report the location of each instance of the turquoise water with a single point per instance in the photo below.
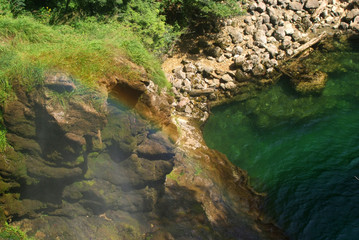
(302, 151)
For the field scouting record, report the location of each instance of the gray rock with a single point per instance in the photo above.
(190, 75)
(237, 50)
(188, 109)
(248, 19)
(289, 52)
(288, 28)
(236, 36)
(226, 78)
(238, 61)
(261, 7)
(190, 68)
(344, 26)
(249, 30)
(273, 50)
(241, 76)
(247, 66)
(230, 85)
(221, 58)
(177, 83)
(179, 73)
(279, 34)
(352, 14)
(260, 37)
(287, 42)
(306, 23)
(311, 4)
(295, 6)
(297, 35)
(266, 18)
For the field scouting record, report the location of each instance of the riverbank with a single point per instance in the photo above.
(233, 60)
(250, 52)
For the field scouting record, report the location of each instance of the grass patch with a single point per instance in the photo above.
(87, 50)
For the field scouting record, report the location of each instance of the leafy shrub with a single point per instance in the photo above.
(186, 12)
(144, 18)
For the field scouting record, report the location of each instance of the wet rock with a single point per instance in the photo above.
(297, 35)
(241, 76)
(259, 70)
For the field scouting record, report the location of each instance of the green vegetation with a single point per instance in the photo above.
(12, 233)
(92, 40)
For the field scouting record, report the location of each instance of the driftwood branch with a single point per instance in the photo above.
(308, 44)
(320, 9)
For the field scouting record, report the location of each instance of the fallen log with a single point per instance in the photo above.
(308, 44)
(199, 92)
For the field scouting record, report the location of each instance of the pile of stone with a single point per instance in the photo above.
(250, 47)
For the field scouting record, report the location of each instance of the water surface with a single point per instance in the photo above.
(303, 151)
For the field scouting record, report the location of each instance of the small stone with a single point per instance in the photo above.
(230, 85)
(297, 35)
(236, 36)
(261, 7)
(287, 42)
(279, 34)
(179, 74)
(344, 26)
(249, 30)
(226, 78)
(295, 6)
(312, 4)
(188, 109)
(273, 50)
(190, 68)
(221, 58)
(352, 14)
(238, 61)
(237, 50)
(289, 52)
(247, 66)
(288, 28)
(260, 37)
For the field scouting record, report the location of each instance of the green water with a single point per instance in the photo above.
(302, 151)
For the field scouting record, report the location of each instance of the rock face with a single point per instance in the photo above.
(84, 161)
